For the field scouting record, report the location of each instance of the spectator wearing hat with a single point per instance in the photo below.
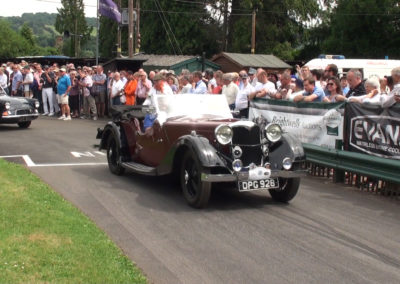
(198, 86)
(46, 82)
(252, 76)
(242, 99)
(161, 87)
(63, 88)
(99, 90)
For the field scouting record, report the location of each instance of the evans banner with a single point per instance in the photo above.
(373, 130)
(320, 124)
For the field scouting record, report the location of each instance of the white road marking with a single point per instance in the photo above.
(85, 154)
(100, 153)
(29, 163)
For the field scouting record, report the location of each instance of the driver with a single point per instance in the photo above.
(160, 87)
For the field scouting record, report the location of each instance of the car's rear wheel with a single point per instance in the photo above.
(287, 189)
(24, 124)
(196, 192)
(113, 156)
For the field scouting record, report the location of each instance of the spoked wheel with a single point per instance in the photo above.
(196, 192)
(287, 190)
(113, 156)
(24, 124)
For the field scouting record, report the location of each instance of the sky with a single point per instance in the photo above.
(18, 7)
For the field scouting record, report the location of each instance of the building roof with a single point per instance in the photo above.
(162, 60)
(254, 60)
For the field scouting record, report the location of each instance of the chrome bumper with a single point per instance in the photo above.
(243, 176)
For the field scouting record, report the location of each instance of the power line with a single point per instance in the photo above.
(169, 38)
(173, 34)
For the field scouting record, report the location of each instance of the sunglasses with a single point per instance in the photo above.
(329, 84)
(327, 70)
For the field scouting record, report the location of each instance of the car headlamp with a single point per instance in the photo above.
(37, 104)
(287, 163)
(7, 105)
(273, 132)
(223, 134)
(237, 165)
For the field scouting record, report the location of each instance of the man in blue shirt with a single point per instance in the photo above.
(199, 87)
(311, 93)
(63, 87)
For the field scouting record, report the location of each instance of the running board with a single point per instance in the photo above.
(139, 168)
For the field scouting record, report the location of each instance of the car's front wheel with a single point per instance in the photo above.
(196, 192)
(24, 124)
(113, 156)
(287, 189)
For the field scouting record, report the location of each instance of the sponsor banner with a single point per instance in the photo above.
(373, 130)
(320, 124)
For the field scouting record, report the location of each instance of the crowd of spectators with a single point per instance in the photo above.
(87, 92)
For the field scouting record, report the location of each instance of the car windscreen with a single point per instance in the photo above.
(191, 105)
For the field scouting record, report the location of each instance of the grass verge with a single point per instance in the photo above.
(43, 238)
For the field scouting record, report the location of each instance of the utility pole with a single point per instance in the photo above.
(131, 30)
(253, 32)
(225, 27)
(137, 49)
(76, 37)
(119, 41)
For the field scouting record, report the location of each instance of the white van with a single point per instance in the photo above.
(368, 67)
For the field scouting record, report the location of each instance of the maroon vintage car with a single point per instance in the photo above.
(195, 138)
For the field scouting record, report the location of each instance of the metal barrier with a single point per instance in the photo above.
(361, 170)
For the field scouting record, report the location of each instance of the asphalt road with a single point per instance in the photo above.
(328, 234)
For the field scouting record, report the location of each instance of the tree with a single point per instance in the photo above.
(178, 27)
(280, 25)
(71, 18)
(27, 33)
(12, 44)
(363, 29)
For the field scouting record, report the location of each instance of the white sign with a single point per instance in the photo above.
(321, 127)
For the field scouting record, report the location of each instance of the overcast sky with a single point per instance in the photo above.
(18, 7)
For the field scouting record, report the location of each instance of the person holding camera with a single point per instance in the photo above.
(46, 82)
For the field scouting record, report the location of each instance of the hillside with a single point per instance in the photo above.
(45, 33)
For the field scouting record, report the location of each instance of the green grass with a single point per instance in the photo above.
(43, 238)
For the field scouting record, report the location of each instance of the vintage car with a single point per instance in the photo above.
(196, 139)
(17, 110)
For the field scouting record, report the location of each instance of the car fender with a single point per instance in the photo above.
(287, 147)
(110, 129)
(205, 152)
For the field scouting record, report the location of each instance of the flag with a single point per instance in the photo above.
(110, 10)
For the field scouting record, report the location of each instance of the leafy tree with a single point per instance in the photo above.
(27, 33)
(280, 25)
(12, 44)
(363, 29)
(71, 18)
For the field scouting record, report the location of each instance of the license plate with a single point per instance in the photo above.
(250, 185)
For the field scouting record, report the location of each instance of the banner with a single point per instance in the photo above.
(110, 10)
(373, 130)
(320, 124)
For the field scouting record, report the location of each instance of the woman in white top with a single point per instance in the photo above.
(3, 79)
